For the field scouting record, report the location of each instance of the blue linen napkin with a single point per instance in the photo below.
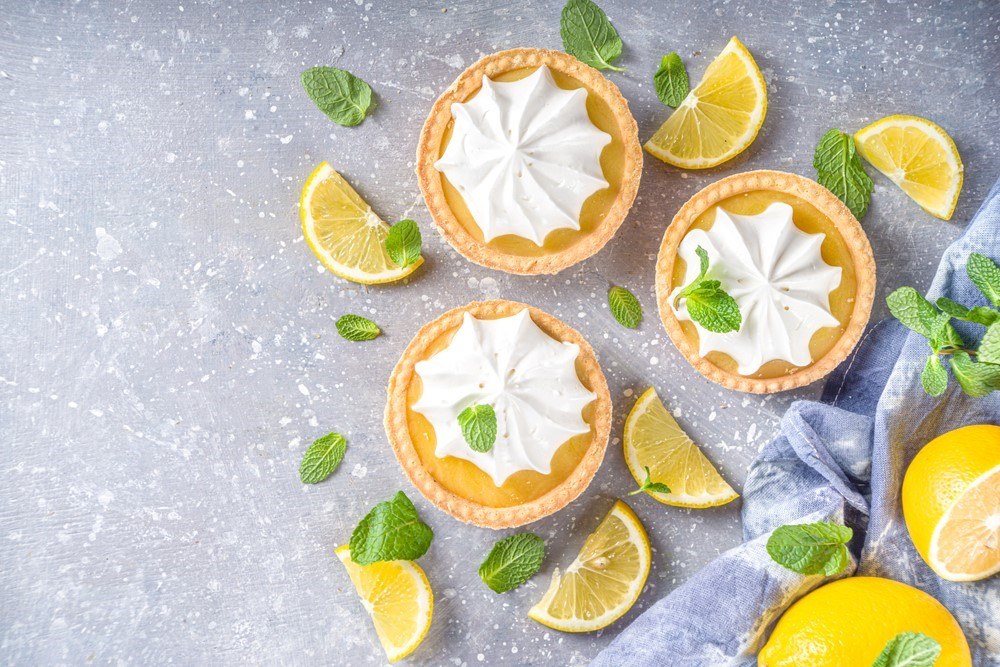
(841, 459)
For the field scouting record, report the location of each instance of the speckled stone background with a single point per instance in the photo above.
(168, 348)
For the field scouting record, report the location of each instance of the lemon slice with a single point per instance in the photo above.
(653, 439)
(344, 232)
(605, 579)
(720, 118)
(919, 157)
(398, 597)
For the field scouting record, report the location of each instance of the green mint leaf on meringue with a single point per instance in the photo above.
(985, 274)
(588, 35)
(625, 307)
(343, 97)
(357, 328)
(839, 170)
(392, 530)
(479, 427)
(649, 486)
(810, 548)
(512, 561)
(707, 303)
(322, 458)
(671, 80)
(403, 243)
(934, 379)
(909, 649)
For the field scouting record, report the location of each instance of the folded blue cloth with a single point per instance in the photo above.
(841, 459)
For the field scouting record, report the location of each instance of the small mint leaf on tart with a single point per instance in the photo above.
(707, 303)
(479, 427)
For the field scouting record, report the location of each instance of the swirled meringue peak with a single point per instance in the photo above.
(525, 156)
(779, 279)
(527, 376)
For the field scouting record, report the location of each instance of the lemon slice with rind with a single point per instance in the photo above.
(343, 231)
(919, 157)
(398, 597)
(654, 439)
(605, 579)
(720, 118)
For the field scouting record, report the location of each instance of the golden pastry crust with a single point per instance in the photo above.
(429, 148)
(824, 201)
(397, 430)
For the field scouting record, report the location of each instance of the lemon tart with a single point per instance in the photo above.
(798, 265)
(529, 161)
(550, 402)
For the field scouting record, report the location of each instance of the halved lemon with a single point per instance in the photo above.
(398, 597)
(951, 503)
(720, 118)
(919, 157)
(344, 232)
(605, 579)
(653, 439)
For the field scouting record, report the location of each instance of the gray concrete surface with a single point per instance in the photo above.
(168, 348)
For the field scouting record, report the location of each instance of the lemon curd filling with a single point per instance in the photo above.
(834, 251)
(468, 481)
(595, 208)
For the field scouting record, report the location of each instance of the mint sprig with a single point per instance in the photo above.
(649, 486)
(810, 548)
(512, 561)
(625, 307)
(479, 427)
(839, 170)
(357, 328)
(403, 243)
(392, 530)
(588, 35)
(707, 303)
(909, 649)
(343, 97)
(322, 458)
(976, 369)
(671, 80)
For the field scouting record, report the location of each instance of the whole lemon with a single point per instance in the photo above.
(951, 502)
(847, 623)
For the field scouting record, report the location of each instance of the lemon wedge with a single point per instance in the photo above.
(654, 439)
(605, 579)
(919, 157)
(720, 118)
(344, 232)
(398, 597)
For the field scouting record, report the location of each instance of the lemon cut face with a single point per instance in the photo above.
(398, 597)
(919, 157)
(343, 231)
(604, 581)
(717, 120)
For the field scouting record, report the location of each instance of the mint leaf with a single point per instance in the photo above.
(322, 458)
(702, 263)
(934, 378)
(403, 243)
(357, 328)
(671, 80)
(979, 314)
(909, 649)
(588, 35)
(343, 97)
(648, 485)
(913, 311)
(479, 426)
(943, 334)
(707, 303)
(985, 274)
(810, 548)
(989, 346)
(392, 530)
(625, 307)
(839, 170)
(512, 561)
(977, 379)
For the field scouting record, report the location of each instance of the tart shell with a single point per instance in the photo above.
(824, 201)
(429, 148)
(397, 430)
